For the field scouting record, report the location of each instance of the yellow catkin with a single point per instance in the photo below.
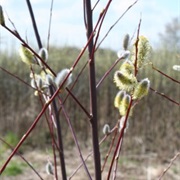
(118, 98)
(124, 81)
(26, 55)
(127, 67)
(144, 50)
(141, 89)
(124, 105)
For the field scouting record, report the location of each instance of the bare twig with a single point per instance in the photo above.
(49, 29)
(11, 22)
(108, 72)
(80, 105)
(120, 139)
(176, 81)
(18, 78)
(59, 136)
(34, 24)
(110, 148)
(163, 95)
(115, 24)
(90, 153)
(116, 161)
(95, 5)
(76, 142)
(170, 164)
(103, 14)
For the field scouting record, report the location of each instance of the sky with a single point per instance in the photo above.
(68, 29)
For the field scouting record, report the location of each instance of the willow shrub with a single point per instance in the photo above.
(155, 123)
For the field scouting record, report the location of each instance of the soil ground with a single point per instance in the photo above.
(131, 167)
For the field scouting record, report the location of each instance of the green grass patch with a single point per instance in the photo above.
(11, 138)
(14, 168)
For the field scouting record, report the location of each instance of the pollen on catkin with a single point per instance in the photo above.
(2, 21)
(124, 81)
(127, 67)
(143, 53)
(118, 98)
(124, 105)
(141, 89)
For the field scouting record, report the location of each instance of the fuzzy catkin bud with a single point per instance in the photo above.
(176, 67)
(37, 83)
(123, 54)
(118, 98)
(43, 53)
(26, 55)
(33, 83)
(106, 129)
(124, 81)
(49, 168)
(49, 79)
(2, 21)
(141, 89)
(61, 76)
(124, 105)
(126, 41)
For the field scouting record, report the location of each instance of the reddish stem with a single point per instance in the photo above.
(120, 138)
(176, 81)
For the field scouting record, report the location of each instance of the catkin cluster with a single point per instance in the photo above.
(130, 89)
(41, 81)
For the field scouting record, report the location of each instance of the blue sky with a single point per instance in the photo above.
(67, 20)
